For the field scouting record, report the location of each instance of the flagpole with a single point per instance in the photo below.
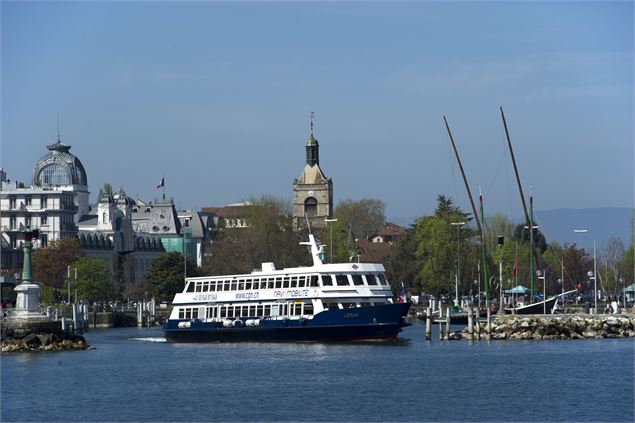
(163, 184)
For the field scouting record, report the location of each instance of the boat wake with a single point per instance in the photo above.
(151, 339)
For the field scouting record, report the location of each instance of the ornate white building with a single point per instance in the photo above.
(57, 205)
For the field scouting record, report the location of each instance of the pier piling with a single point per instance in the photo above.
(428, 324)
(470, 323)
(447, 323)
(478, 324)
(489, 324)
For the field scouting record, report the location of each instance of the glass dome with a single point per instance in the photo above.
(59, 167)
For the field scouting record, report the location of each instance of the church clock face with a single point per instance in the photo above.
(311, 193)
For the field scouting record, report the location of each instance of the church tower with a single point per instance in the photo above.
(312, 191)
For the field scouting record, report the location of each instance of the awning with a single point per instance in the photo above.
(520, 289)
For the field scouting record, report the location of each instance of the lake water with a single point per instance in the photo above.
(133, 375)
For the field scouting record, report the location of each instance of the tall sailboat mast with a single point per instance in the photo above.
(476, 216)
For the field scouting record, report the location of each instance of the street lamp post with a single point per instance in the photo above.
(542, 275)
(458, 254)
(68, 282)
(624, 291)
(331, 238)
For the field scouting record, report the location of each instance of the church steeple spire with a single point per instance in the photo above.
(312, 147)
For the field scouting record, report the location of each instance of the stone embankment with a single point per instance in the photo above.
(42, 336)
(572, 326)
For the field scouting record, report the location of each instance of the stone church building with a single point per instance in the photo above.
(312, 191)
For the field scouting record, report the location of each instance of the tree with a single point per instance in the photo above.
(165, 277)
(439, 244)
(402, 265)
(268, 237)
(105, 189)
(50, 263)
(364, 217)
(94, 282)
(521, 234)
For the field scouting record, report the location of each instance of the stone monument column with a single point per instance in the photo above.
(28, 298)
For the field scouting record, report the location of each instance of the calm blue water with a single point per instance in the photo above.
(131, 376)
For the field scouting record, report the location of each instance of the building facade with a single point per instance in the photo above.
(57, 206)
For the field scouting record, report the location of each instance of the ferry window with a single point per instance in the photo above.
(212, 286)
(294, 282)
(278, 283)
(241, 285)
(181, 313)
(333, 306)
(314, 280)
(298, 309)
(342, 280)
(371, 279)
(188, 313)
(364, 305)
(267, 310)
(275, 310)
(327, 280)
(248, 284)
(301, 281)
(259, 310)
(284, 309)
(285, 282)
(357, 280)
(308, 309)
(226, 285)
(205, 286)
(230, 311)
(195, 313)
(190, 287)
(252, 311)
(234, 284)
(198, 286)
(382, 279)
(223, 311)
(270, 283)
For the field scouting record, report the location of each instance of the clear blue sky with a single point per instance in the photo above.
(216, 97)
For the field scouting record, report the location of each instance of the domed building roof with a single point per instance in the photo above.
(59, 167)
(122, 198)
(311, 141)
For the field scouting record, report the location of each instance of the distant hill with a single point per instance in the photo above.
(602, 223)
(558, 225)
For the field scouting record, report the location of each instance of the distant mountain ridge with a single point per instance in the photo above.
(602, 223)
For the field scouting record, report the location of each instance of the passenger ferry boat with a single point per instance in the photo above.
(323, 302)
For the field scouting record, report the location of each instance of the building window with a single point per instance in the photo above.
(13, 241)
(54, 174)
(43, 220)
(45, 240)
(43, 202)
(12, 203)
(27, 221)
(12, 222)
(27, 200)
(310, 206)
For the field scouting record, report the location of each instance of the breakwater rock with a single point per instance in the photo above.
(573, 326)
(38, 336)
